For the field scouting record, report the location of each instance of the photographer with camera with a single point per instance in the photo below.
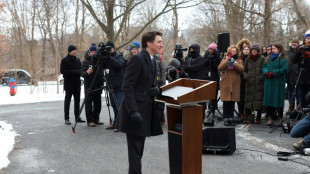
(302, 57)
(231, 67)
(176, 73)
(114, 69)
(211, 62)
(93, 100)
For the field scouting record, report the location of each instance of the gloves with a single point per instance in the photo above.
(269, 75)
(136, 117)
(306, 55)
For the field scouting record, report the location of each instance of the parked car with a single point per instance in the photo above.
(21, 77)
(61, 79)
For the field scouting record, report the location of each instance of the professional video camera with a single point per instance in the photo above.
(103, 52)
(178, 52)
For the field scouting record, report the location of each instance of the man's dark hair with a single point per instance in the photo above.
(149, 37)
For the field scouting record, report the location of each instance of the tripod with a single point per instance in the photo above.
(109, 90)
(89, 90)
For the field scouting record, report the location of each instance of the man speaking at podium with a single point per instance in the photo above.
(137, 117)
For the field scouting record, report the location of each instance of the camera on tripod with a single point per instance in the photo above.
(103, 52)
(178, 52)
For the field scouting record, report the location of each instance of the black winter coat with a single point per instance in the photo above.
(211, 63)
(139, 78)
(88, 78)
(194, 63)
(298, 58)
(116, 65)
(293, 70)
(70, 67)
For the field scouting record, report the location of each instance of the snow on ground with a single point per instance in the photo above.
(45, 91)
(7, 137)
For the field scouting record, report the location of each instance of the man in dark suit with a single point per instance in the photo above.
(137, 117)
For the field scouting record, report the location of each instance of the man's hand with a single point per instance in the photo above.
(89, 71)
(136, 117)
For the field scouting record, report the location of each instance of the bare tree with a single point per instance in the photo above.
(107, 23)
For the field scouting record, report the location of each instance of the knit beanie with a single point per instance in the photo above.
(92, 47)
(132, 46)
(110, 43)
(307, 34)
(255, 46)
(213, 46)
(71, 48)
(136, 43)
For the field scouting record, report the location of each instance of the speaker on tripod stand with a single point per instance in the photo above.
(223, 42)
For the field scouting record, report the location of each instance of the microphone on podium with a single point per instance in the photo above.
(176, 64)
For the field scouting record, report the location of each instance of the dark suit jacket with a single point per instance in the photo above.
(139, 78)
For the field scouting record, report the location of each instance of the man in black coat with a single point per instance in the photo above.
(302, 56)
(92, 93)
(194, 64)
(115, 71)
(70, 67)
(137, 114)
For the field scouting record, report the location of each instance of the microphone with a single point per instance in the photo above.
(175, 63)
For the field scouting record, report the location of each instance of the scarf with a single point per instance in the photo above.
(253, 58)
(274, 56)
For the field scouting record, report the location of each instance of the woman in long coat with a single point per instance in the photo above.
(254, 83)
(231, 68)
(274, 69)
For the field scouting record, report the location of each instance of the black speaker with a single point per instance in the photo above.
(219, 140)
(223, 42)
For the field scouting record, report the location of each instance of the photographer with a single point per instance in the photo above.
(211, 62)
(115, 71)
(231, 67)
(173, 73)
(302, 57)
(194, 63)
(302, 128)
(93, 99)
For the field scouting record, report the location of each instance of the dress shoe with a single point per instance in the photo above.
(110, 127)
(269, 122)
(91, 124)
(99, 123)
(67, 122)
(79, 120)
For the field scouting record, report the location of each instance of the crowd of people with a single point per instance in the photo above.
(248, 75)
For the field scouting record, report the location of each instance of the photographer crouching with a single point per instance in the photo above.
(302, 57)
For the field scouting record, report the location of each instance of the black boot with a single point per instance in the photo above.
(67, 122)
(226, 122)
(79, 120)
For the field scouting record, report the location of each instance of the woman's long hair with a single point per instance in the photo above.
(281, 51)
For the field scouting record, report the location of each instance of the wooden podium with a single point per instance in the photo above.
(184, 117)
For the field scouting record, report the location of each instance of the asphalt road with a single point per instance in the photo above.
(46, 145)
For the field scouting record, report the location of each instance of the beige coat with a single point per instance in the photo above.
(230, 80)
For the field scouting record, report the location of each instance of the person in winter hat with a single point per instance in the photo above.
(302, 57)
(93, 99)
(254, 84)
(70, 67)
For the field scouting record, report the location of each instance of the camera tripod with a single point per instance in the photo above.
(89, 91)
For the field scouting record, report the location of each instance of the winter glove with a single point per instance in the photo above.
(136, 117)
(271, 75)
(267, 75)
(307, 55)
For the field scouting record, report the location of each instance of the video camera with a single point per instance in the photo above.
(103, 52)
(178, 52)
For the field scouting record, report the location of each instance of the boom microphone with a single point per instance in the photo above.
(175, 63)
